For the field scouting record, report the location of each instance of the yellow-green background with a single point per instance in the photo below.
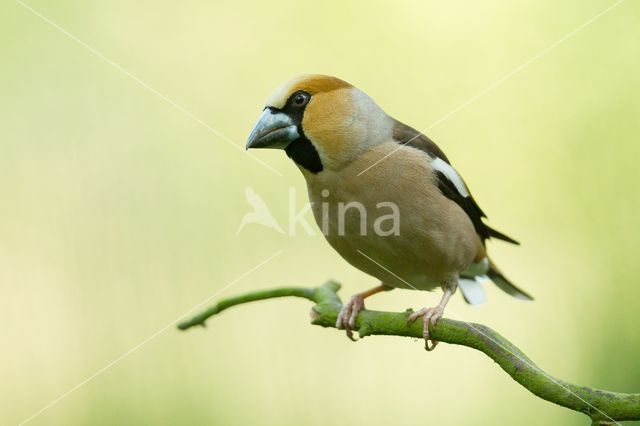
(118, 212)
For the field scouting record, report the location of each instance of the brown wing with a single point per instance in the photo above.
(455, 191)
(409, 136)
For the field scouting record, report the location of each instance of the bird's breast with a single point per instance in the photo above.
(390, 221)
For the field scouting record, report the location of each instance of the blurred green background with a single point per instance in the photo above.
(118, 212)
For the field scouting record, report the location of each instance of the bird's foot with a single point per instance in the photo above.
(429, 316)
(348, 313)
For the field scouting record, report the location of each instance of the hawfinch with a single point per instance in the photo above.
(385, 196)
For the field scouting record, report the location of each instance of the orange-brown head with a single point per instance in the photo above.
(321, 122)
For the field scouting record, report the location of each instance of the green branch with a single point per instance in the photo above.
(603, 407)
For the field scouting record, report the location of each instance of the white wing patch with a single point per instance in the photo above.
(443, 167)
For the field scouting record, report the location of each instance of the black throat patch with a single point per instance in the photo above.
(304, 153)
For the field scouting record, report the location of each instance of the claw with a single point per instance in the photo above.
(430, 316)
(348, 314)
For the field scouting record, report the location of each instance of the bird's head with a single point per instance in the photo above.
(322, 123)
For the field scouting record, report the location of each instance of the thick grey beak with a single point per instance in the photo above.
(273, 130)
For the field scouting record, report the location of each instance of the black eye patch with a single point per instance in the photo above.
(295, 106)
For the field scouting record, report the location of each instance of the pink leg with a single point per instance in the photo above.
(430, 316)
(349, 312)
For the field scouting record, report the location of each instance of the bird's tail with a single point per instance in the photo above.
(505, 285)
(492, 233)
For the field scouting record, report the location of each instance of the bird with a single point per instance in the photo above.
(260, 214)
(386, 196)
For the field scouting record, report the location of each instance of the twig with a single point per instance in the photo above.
(603, 407)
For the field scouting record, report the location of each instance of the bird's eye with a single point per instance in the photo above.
(300, 99)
